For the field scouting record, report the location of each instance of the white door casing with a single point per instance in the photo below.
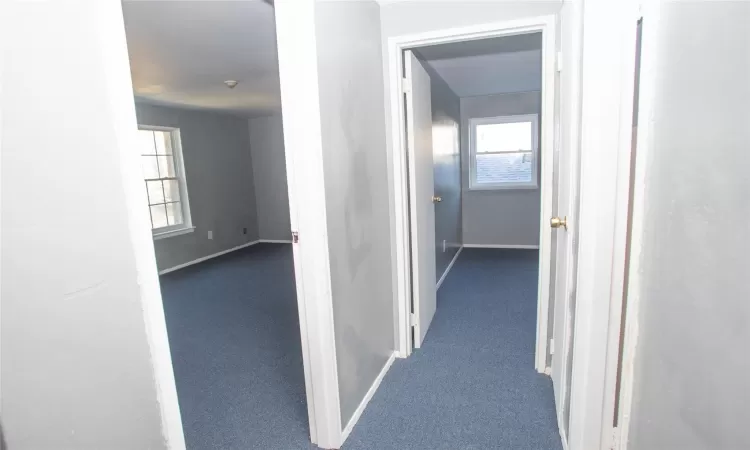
(403, 273)
(421, 191)
(567, 189)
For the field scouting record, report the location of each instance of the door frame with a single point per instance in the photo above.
(608, 70)
(403, 255)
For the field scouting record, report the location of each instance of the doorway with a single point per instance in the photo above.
(212, 159)
(414, 180)
(491, 154)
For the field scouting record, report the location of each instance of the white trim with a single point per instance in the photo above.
(474, 121)
(300, 108)
(111, 47)
(275, 241)
(563, 438)
(448, 269)
(509, 246)
(398, 169)
(606, 136)
(177, 232)
(646, 88)
(206, 258)
(370, 392)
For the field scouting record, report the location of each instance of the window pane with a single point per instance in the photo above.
(150, 168)
(166, 166)
(174, 213)
(146, 142)
(503, 137)
(171, 191)
(155, 192)
(163, 142)
(504, 168)
(158, 216)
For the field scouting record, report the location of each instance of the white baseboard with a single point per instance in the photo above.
(448, 269)
(363, 404)
(275, 241)
(205, 258)
(521, 247)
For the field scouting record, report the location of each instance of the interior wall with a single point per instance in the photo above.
(691, 386)
(219, 173)
(446, 160)
(269, 175)
(356, 182)
(503, 217)
(78, 367)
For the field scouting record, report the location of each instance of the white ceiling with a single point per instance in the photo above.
(181, 52)
(488, 66)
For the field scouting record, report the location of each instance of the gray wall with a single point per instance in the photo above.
(269, 174)
(504, 216)
(216, 153)
(446, 158)
(356, 181)
(76, 364)
(692, 387)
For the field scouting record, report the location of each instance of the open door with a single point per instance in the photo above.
(563, 287)
(421, 195)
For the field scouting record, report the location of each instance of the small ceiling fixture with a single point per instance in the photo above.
(231, 83)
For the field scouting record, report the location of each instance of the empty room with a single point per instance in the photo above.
(210, 140)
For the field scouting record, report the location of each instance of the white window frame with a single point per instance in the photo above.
(187, 224)
(474, 122)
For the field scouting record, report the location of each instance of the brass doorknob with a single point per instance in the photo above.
(436, 199)
(557, 222)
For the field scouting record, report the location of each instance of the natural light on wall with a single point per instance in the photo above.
(504, 152)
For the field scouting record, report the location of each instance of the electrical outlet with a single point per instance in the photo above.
(244, 231)
(210, 234)
(443, 245)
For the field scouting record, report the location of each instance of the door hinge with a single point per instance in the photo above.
(295, 237)
(412, 319)
(406, 85)
(552, 346)
(615, 439)
(559, 62)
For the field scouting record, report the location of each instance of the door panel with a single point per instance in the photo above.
(421, 189)
(567, 205)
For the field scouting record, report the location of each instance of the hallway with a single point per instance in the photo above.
(473, 384)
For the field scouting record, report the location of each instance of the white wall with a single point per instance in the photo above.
(269, 174)
(85, 362)
(691, 388)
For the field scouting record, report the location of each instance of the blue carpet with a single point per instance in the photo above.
(234, 335)
(472, 385)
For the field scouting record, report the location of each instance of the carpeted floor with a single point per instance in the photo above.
(473, 384)
(234, 334)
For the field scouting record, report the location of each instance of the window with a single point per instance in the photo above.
(503, 152)
(164, 175)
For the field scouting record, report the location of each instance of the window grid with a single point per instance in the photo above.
(169, 166)
(503, 152)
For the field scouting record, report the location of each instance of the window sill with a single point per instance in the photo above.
(504, 188)
(170, 233)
